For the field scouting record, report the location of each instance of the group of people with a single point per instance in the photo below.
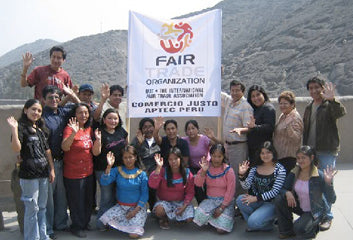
(264, 169)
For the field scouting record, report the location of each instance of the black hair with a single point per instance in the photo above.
(105, 114)
(58, 49)
(73, 113)
(317, 80)
(269, 146)
(50, 89)
(182, 170)
(193, 122)
(144, 120)
(28, 123)
(132, 150)
(256, 88)
(170, 121)
(218, 147)
(113, 88)
(310, 152)
(236, 83)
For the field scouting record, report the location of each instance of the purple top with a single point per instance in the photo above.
(197, 152)
(302, 189)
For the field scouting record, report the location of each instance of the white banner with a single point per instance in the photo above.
(174, 66)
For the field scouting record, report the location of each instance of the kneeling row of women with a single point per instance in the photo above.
(269, 196)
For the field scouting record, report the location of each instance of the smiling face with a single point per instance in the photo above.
(129, 160)
(217, 158)
(257, 98)
(34, 112)
(56, 60)
(304, 161)
(285, 106)
(315, 90)
(236, 93)
(85, 96)
(266, 155)
(192, 131)
(171, 131)
(174, 161)
(111, 121)
(52, 100)
(147, 129)
(115, 98)
(82, 115)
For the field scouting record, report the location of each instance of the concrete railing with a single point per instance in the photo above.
(8, 158)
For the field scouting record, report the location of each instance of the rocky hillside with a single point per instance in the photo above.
(275, 43)
(34, 47)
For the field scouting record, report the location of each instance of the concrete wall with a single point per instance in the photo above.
(8, 158)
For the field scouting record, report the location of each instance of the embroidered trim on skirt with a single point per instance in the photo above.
(203, 214)
(171, 207)
(115, 217)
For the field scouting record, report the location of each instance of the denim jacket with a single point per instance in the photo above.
(317, 188)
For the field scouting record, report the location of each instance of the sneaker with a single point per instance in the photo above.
(325, 225)
(163, 224)
(52, 236)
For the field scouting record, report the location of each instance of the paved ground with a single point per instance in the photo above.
(342, 227)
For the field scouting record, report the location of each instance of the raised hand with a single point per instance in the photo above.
(329, 173)
(243, 167)
(204, 164)
(158, 122)
(67, 90)
(12, 122)
(209, 133)
(27, 60)
(140, 137)
(329, 91)
(110, 159)
(251, 123)
(98, 134)
(76, 89)
(159, 160)
(105, 91)
(290, 199)
(73, 124)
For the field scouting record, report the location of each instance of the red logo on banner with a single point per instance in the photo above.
(176, 37)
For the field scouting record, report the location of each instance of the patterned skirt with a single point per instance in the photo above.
(115, 217)
(171, 208)
(204, 214)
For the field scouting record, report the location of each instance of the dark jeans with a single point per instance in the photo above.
(305, 226)
(79, 193)
(200, 192)
(288, 163)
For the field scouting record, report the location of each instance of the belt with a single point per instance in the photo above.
(235, 142)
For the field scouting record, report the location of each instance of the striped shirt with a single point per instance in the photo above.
(279, 175)
(236, 115)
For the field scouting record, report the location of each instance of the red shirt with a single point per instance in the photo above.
(42, 76)
(78, 161)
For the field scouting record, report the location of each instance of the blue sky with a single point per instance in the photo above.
(25, 21)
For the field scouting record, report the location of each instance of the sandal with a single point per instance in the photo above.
(163, 224)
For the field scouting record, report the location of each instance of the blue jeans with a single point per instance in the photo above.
(34, 197)
(57, 204)
(327, 159)
(107, 198)
(259, 215)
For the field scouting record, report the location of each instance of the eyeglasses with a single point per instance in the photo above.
(53, 97)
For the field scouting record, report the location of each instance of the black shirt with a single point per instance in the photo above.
(33, 152)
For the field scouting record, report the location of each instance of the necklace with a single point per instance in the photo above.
(129, 176)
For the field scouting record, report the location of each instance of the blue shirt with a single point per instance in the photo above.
(56, 123)
(128, 190)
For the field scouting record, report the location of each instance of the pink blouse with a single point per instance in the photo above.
(302, 189)
(177, 193)
(220, 182)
